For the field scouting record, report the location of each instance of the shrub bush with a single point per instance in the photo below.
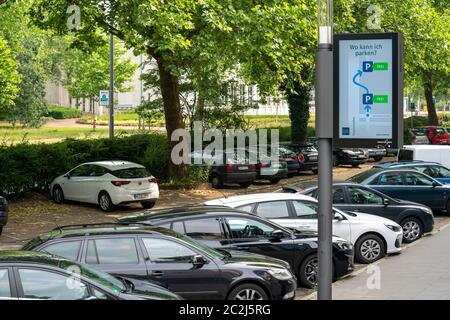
(57, 112)
(31, 167)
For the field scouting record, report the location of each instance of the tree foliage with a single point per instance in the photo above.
(9, 77)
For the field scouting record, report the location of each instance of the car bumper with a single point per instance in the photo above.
(283, 289)
(353, 160)
(343, 262)
(293, 167)
(239, 177)
(308, 166)
(269, 173)
(124, 196)
(394, 242)
(428, 223)
(3, 218)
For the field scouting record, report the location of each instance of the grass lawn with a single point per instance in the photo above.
(12, 135)
(131, 119)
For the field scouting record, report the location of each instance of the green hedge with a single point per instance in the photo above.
(57, 112)
(31, 167)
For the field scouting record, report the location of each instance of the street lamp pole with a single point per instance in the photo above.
(111, 86)
(324, 131)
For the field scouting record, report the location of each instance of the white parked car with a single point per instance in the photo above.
(373, 237)
(107, 183)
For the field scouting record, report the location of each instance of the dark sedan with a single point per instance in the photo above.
(409, 185)
(41, 276)
(225, 228)
(415, 219)
(353, 157)
(3, 213)
(305, 154)
(177, 262)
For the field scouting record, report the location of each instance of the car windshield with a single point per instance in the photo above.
(96, 276)
(131, 173)
(201, 247)
(360, 177)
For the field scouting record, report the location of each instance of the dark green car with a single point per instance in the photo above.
(409, 185)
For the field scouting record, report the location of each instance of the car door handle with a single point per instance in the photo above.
(157, 274)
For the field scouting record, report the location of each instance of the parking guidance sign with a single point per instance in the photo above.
(368, 98)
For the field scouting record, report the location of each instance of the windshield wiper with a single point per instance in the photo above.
(225, 252)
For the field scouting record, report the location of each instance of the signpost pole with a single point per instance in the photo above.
(111, 86)
(324, 126)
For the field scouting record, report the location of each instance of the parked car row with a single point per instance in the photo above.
(3, 213)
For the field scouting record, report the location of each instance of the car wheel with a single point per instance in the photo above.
(412, 229)
(105, 203)
(245, 184)
(274, 180)
(369, 248)
(315, 171)
(378, 159)
(58, 195)
(148, 204)
(308, 271)
(355, 165)
(248, 291)
(1, 230)
(216, 182)
(448, 207)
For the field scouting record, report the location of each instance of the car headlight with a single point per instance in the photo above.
(344, 245)
(393, 228)
(280, 274)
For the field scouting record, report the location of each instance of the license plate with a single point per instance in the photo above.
(141, 196)
(243, 168)
(313, 158)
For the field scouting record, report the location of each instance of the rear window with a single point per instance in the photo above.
(405, 155)
(131, 173)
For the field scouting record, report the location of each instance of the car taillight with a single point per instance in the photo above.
(413, 137)
(229, 168)
(119, 183)
(260, 165)
(253, 167)
(152, 180)
(300, 157)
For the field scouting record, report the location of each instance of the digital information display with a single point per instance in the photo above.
(368, 73)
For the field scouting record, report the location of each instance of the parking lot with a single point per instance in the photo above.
(30, 216)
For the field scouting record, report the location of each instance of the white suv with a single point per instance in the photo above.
(372, 236)
(107, 183)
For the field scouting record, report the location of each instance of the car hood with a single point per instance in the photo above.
(370, 218)
(253, 260)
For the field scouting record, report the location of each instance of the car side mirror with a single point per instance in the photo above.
(91, 298)
(198, 261)
(338, 216)
(276, 235)
(386, 202)
(67, 175)
(435, 184)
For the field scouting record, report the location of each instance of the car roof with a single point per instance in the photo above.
(115, 164)
(29, 257)
(180, 212)
(72, 231)
(257, 197)
(404, 163)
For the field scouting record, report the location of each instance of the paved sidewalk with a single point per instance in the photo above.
(422, 271)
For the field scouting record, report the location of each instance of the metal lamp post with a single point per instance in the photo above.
(111, 86)
(324, 131)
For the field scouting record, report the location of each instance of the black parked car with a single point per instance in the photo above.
(415, 219)
(177, 262)
(353, 157)
(226, 228)
(226, 167)
(306, 155)
(3, 213)
(41, 276)
(266, 169)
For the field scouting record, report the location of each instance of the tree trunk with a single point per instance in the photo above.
(172, 113)
(431, 107)
(298, 101)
